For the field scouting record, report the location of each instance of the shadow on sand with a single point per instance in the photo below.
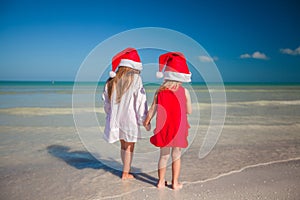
(84, 159)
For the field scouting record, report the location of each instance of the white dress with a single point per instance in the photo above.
(123, 120)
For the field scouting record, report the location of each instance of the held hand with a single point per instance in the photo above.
(147, 126)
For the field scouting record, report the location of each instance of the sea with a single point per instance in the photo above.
(43, 98)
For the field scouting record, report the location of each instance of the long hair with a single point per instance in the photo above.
(121, 82)
(170, 85)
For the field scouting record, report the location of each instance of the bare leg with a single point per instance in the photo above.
(122, 150)
(176, 153)
(162, 166)
(126, 156)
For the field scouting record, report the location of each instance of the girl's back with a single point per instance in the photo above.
(171, 122)
(126, 113)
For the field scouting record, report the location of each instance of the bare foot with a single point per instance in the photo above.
(126, 176)
(161, 184)
(177, 186)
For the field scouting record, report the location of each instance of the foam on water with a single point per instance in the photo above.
(42, 111)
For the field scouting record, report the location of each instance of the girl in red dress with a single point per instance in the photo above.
(172, 103)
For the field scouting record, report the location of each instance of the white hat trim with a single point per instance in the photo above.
(130, 63)
(176, 76)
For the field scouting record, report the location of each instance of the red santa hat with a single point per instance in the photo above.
(126, 58)
(175, 65)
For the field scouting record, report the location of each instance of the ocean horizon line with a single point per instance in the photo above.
(53, 82)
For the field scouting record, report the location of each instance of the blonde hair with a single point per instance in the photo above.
(170, 85)
(121, 82)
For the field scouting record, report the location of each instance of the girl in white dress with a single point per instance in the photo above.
(125, 105)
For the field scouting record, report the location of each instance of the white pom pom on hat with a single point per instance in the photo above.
(129, 57)
(159, 75)
(112, 74)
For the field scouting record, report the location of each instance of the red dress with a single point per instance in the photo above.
(171, 119)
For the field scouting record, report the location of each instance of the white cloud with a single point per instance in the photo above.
(286, 51)
(207, 58)
(215, 58)
(256, 55)
(290, 51)
(259, 55)
(245, 56)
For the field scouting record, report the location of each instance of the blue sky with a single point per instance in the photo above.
(251, 41)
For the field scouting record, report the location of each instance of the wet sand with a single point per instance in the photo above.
(53, 167)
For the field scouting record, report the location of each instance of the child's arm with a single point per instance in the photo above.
(188, 102)
(140, 101)
(141, 106)
(151, 113)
